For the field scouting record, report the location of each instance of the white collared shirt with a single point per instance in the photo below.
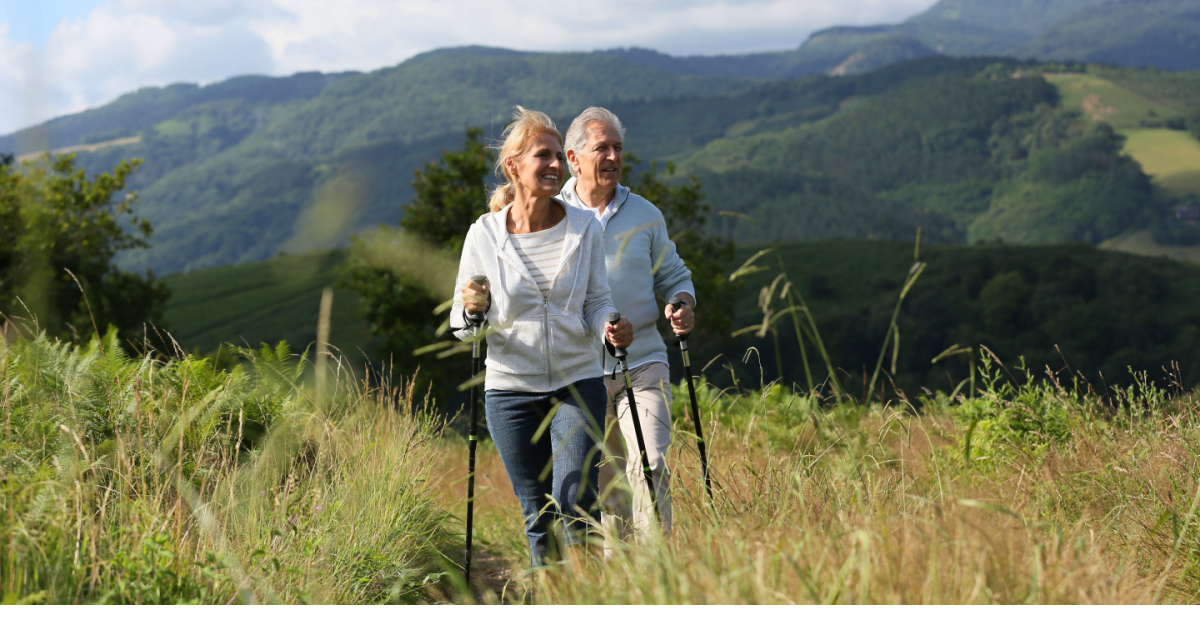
(604, 216)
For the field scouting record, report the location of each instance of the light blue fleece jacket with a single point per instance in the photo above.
(642, 263)
(538, 343)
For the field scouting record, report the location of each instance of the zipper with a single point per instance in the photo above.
(546, 336)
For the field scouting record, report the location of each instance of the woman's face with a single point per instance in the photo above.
(540, 169)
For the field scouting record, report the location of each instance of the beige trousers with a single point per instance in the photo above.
(625, 499)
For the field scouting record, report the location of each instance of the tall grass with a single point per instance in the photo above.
(1025, 488)
(143, 480)
(153, 480)
(1068, 498)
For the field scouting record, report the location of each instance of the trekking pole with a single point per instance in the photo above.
(476, 321)
(620, 354)
(687, 372)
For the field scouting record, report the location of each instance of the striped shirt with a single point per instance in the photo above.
(542, 251)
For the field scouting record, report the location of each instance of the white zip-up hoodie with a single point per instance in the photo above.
(535, 343)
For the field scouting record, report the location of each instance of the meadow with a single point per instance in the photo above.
(269, 301)
(1142, 243)
(1026, 493)
(1170, 157)
(163, 482)
(162, 479)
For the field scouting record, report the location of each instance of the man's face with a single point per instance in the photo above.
(599, 162)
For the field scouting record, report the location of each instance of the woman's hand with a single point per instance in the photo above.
(682, 318)
(619, 334)
(475, 297)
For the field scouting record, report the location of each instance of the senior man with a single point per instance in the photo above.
(642, 263)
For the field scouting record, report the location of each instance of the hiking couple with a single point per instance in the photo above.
(559, 260)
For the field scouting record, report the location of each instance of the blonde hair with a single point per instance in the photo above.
(513, 144)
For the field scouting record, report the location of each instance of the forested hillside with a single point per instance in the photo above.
(133, 112)
(321, 169)
(1071, 308)
(1163, 34)
(965, 149)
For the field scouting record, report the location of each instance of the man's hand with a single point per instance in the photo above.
(475, 297)
(619, 334)
(682, 318)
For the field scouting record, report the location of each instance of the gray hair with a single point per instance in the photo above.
(577, 133)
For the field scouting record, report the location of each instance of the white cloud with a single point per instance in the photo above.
(125, 44)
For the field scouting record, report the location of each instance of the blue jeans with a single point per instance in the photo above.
(554, 470)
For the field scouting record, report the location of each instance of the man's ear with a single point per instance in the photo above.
(572, 158)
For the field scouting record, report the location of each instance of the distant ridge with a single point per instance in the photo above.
(150, 105)
(1164, 34)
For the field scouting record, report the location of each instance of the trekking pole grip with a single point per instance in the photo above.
(618, 352)
(477, 318)
(675, 303)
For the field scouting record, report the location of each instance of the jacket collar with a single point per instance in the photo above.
(495, 225)
(569, 195)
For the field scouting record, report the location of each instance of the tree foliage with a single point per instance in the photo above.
(390, 270)
(449, 194)
(62, 230)
(1069, 306)
(397, 301)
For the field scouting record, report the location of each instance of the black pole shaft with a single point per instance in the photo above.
(700, 445)
(472, 441)
(476, 321)
(641, 441)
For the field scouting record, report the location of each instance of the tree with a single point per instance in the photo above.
(62, 230)
(449, 194)
(687, 215)
(401, 276)
(395, 277)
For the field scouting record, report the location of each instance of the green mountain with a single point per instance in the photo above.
(1135, 33)
(148, 106)
(1163, 34)
(964, 149)
(1026, 17)
(957, 27)
(831, 52)
(963, 156)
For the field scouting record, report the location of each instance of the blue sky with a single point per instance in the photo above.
(64, 56)
(33, 21)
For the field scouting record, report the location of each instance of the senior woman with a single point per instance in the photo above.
(643, 264)
(548, 302)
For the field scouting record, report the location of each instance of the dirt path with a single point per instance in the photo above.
(499, 550)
